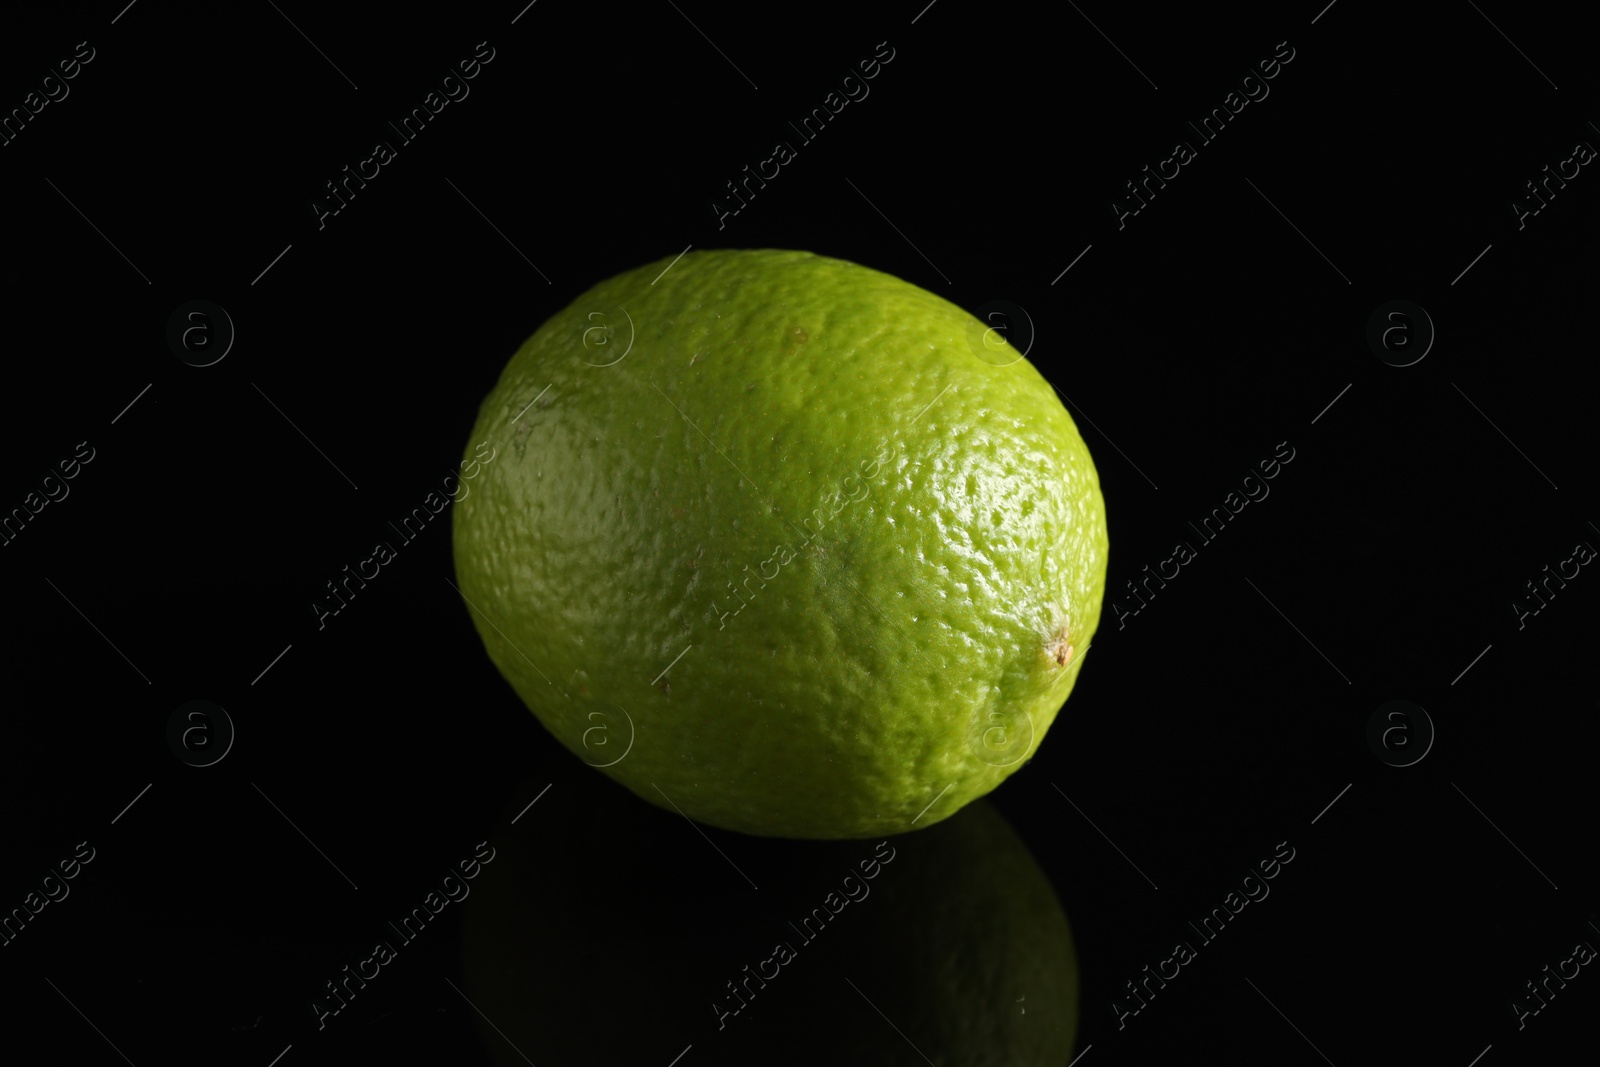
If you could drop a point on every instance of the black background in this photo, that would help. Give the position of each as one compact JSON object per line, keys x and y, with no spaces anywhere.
{"x":1222,"y":319}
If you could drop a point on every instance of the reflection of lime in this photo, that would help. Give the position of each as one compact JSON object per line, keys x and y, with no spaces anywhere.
{"x":984,"y":969}
{"x":600,"y":939}
{"x":840,"y":567}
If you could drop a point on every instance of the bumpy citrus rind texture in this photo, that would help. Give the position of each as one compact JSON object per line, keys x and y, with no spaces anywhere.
{"x":782,"y":542}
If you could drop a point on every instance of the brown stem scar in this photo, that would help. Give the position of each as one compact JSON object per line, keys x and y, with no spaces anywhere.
{"x":1061,"y":648}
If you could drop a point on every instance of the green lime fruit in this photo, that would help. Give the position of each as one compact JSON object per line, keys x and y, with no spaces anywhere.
{"x":947,"y":945}
{"x":782,"y":543}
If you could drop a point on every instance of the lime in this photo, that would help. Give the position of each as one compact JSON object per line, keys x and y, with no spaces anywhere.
{"x":782,"y":543}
